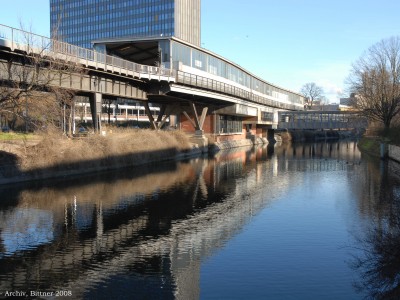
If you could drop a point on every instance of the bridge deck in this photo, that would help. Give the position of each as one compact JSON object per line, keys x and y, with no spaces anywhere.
{"x":321,"y":120}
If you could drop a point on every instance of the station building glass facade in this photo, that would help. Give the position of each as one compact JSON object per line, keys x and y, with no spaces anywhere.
{"x":80,"y":22}
{"x":205,"y":63}
{"x":171,"y":30}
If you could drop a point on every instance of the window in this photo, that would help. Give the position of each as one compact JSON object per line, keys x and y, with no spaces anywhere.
{"x":229,"y":124}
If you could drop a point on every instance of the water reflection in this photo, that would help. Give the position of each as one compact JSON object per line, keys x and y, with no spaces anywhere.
{"x":146,"y":232}
{"x":379,"y":262}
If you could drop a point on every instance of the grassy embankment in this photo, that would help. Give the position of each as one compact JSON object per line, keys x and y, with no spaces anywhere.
{"x":119,"y":147}
{"x":371,"y":143}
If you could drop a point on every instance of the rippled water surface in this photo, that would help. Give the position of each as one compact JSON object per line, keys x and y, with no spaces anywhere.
{"x":307,"y":221}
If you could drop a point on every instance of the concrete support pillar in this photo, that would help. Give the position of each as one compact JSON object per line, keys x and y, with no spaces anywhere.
{"x":198,"y":122}
{"x":161,"y":118}
{"x":150,"y":116}
{"x":95,"y":101}
{"x":163,"y":115}
{"x":200,"y":139}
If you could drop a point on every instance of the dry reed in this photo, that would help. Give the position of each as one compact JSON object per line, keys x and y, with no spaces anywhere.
{"x":119,"y":146}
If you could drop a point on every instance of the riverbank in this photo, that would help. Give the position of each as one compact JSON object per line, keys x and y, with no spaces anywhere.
{"x":379,"y":147}
{"x":370,"y":145}
{"x":380,"y":142}
{"x":53,"y":155}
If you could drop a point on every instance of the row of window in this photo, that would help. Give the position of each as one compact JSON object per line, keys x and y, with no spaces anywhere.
{"x":200,"y":60}
{"x":84,"y":17}
{"x":57,"y":5}
{"x":267,"y":116}
{"x":115,"y":26}
{"x":229,"y":124}
{"x":116,"y":31}
{"x":108,"y":11}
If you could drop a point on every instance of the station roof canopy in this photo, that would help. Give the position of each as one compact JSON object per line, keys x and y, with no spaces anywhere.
{"x":139,"y":50}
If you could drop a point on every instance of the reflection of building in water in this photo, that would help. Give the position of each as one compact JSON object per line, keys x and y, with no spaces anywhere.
{"x":169,"y":220}
{"x":343,"y":150}
{"x":378,"y":190}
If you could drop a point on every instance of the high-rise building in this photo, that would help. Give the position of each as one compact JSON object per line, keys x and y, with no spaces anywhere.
{"x":80,"y":22}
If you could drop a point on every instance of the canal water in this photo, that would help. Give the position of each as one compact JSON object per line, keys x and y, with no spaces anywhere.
{"x":301,"y":221}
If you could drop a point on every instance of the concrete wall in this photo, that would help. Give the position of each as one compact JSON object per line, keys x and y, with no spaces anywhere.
{"x":187,"y":126}
{"x":230,"y":137}
{"x":394,"y":152}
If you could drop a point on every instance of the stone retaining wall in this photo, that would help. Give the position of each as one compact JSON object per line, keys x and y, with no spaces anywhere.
{"x":230,"y":144}
{"x":394,"y":152}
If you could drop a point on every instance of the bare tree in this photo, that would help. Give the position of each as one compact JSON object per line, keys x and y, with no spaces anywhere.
{"x":375,"y":79}
{"x":312,"y":92}
{"x":30,"y":80}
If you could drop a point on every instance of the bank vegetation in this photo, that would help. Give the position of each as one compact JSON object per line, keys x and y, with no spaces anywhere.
{"x":31,"y":96}
{"x":370,"y":143}
{"x":50,"y":154}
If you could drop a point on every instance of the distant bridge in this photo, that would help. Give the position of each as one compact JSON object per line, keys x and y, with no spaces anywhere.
{"x":320,"y":120}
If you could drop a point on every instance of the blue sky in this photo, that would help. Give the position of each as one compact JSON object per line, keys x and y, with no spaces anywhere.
{"x":285,"y":42}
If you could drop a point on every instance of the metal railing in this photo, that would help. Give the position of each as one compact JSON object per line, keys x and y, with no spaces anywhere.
{"x":37,"y":44}
{"x":33,"y":43}
{"x":228,"y":89}
{"x":322,"y":120}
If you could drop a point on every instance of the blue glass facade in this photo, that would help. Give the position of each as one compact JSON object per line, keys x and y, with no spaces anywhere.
{"x":80,"y":22}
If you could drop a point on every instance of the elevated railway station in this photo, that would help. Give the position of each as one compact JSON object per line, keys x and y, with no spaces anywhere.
{"x":206,"y":93}
{"x":188,"y":87}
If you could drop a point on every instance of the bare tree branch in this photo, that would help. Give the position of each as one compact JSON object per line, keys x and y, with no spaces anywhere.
{"x":31,"y":80}
{"x":374,"y":78}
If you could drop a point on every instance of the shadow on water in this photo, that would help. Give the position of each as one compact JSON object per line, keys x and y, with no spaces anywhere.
{"x":60,"y":230}
{"x":91,"y":184}
{"x":81,"y":223}
{"x":10,"y":170}
{"x":378,"y":264}
{"x":145,"y":230}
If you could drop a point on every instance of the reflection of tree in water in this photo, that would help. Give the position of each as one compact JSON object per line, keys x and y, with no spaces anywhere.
{"x":379,"y":265}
